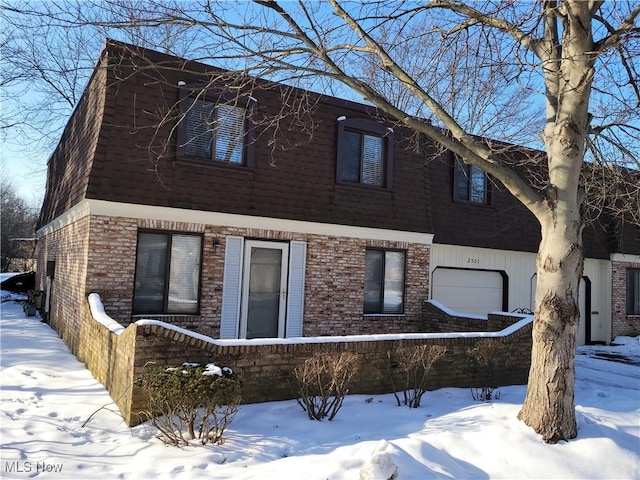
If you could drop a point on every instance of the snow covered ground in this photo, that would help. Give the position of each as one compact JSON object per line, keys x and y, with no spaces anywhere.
{"x":47,"y":396}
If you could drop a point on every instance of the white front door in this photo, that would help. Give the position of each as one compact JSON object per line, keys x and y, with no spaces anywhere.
{"x":264,"y":289}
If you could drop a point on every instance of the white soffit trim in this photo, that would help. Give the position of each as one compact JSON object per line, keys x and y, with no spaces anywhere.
{"x":75,"y":213}
{"x":625,"y":257}
{"x":130,"y":210}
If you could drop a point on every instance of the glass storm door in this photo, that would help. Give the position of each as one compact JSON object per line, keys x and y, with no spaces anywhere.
{"x":264,"y":290}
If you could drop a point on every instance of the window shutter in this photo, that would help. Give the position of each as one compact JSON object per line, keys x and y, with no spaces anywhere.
{"x":229,"y":134}
{"x":295,"y":297}
{"x":231,"y":287}
{"x":198,"y":128}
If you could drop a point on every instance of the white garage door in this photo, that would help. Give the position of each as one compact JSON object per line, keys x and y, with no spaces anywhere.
{"x":468,"y":291}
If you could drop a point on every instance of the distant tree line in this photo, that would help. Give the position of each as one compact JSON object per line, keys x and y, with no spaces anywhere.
{"x":18,"y":221}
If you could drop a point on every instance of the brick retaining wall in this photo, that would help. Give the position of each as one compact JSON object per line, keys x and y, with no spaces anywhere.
{"x":438,"y":320}
{"x":265,"y":370}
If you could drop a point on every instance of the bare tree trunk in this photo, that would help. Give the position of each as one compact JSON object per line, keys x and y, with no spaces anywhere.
{"x":549,"y":404}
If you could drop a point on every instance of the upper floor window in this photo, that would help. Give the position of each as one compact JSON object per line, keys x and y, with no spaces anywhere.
{"x":167,"y":273}
{"x":384,"y":281}
{"x":365,"y":153}
{"x":470,"y":184}
{"x":633,"y":291}
{"x":216,"y":127}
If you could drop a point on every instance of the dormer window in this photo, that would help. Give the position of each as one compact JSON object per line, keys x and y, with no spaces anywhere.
{"x":365,"y":153}
{"x":470,"y":184}
{"x":216,"y":128}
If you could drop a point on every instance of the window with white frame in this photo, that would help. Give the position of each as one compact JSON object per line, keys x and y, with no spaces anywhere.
{"x":167,"y":277}
{"x":384,"y":281}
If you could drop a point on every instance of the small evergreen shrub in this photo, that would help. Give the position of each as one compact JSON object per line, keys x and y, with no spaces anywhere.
{"x":486,"y":357}
{"x":323,"y":381}
{"x":413,"y":364}
{"x":190,"y":402}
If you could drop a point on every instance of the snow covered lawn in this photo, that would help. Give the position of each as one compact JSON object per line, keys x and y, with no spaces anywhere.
{"x":47,"y":396}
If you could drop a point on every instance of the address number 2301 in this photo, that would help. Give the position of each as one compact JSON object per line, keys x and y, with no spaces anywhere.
{"x":473,"y":261}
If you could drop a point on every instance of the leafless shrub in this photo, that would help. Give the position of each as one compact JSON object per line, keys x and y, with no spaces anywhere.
{"x":413,"y":365}
{"x":487,"y":356}
{"x":190,"y":402}
{"x":323,"y":383}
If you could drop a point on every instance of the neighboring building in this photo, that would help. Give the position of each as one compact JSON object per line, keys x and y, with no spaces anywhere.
{"x":220,"y":230}
{"x":23,"y":255}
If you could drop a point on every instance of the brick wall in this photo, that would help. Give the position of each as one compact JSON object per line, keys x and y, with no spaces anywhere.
{"x":435,"y":320}
{"x":74,"y":249}
{"x":110,"y":359}
{"x":97,"y":253}
{"x":111,"y":266}
{"x":68,"y":247}
{"x":334,"y":277}
{"x":266,"y":371}
{"x":621,"y":323}
{"x":335,"y":288}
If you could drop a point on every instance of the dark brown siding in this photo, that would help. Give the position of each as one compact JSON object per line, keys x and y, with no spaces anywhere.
{"x":69,"y":166}
{"x":629,"y":238}
{"x":138,"y":164}
{"x":135,"y":162}
{"x":504,"y":224}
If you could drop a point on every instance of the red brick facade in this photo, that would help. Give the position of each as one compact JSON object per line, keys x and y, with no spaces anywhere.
{"x":334,"y":287}
{"x":621,"y":323}
{"x":68,"y":247}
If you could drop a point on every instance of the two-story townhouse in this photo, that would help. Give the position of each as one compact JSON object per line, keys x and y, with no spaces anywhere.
{"x":248,"y":209}
{"x":201,"y":223}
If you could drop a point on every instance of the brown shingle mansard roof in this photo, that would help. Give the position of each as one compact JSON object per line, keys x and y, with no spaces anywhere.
{"x":115,"y":149}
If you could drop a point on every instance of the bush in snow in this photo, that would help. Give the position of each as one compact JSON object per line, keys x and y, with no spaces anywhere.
{"x":323,"y":383}
{"x":190,"y":402}
{"x":412,"y":364}
{"x":486,"y":357}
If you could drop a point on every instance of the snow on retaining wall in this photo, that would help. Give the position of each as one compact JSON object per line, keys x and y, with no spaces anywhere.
{"x":266,"y":365}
